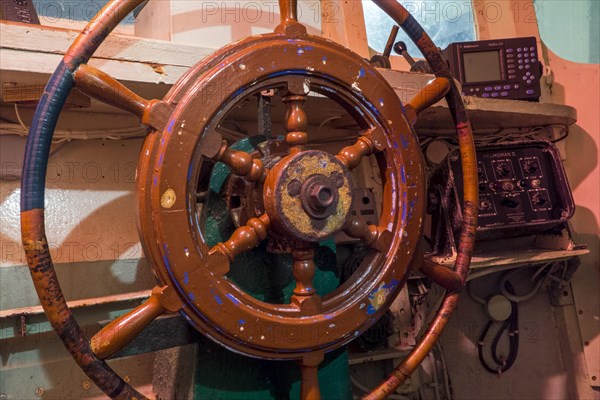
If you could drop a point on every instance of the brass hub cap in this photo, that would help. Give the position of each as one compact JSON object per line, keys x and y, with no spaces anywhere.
{"x":307,"y":204}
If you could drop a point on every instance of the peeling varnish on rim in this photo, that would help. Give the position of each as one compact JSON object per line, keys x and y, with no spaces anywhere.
{"x":37,"y":245}
{"x":180,"y":131}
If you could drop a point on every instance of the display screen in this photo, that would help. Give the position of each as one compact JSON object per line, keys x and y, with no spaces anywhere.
{"x":482,"y":66}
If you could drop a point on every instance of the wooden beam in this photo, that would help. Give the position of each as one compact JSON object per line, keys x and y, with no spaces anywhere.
{"x":344,"y":23}
{"x":162,"y":333}
{"x":78,"y":304}
{"x":154,"y":22}
{"x":51,"y":40}
{"x":29,"y":94}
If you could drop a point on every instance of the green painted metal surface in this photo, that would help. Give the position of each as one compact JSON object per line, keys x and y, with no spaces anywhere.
{"x":568,"y":28}
{"x":222,"y":374}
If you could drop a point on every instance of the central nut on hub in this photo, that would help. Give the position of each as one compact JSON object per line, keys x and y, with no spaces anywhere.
{"x":308,"y":195}
{"x":319,"y":196}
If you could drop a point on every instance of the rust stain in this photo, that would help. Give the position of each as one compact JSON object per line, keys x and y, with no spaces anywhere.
{"x":158,"y":68}
{"x":34,"y":245}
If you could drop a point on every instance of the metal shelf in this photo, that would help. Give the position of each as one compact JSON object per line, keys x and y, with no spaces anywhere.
{"x":483,"y":113}
{"x":499,"y":255}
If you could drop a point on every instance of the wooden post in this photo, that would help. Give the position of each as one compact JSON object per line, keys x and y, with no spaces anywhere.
{"x":344,"y":22}
{"x":154,"y":22}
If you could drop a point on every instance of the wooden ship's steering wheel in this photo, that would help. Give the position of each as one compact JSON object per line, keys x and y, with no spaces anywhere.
{"x":305,"y":196}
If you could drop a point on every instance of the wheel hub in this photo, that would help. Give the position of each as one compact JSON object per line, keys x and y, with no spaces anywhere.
{"x":307,"y":205}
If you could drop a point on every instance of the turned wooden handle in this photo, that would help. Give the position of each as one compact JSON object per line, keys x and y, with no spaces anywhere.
{"x":242,"y":163}
{"x":102,"y":86}
{"x":114,"y":336}
{"x":434,"y":91}
{"x":309,"y":384}
{"x":443,"y":276}
{"x":244,"y":238}
{"x":288,"y":10}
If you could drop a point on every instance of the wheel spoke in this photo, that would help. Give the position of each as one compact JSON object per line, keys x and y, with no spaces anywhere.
{"x":434,"y":91}
{"x":244,"y":238}
{"x":369,"y":142}
{"x":304,"y":268}
{"x":105,"y":88}
{"x":309,"y":368}
{"x":114,"y":336}
{"x":443,"y":276}
{"x":374,"y":237}
{"x":288,"y":10}
{"x":296,"y":121}
{"x":242,"y":163}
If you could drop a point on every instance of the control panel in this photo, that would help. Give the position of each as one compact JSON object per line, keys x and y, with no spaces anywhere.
{"x":504,"y":68}
{"x":522,"y":188}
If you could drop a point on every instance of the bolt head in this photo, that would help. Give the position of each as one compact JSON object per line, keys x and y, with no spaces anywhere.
{"x":338,"y":179}
{"x":321,"y":196}
{"x":294,"y":188}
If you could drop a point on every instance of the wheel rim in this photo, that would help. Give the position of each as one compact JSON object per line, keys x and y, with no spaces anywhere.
{"x":344,"y":309}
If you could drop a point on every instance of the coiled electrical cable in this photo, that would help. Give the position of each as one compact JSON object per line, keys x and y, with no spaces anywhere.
{"x":511,"y":326}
